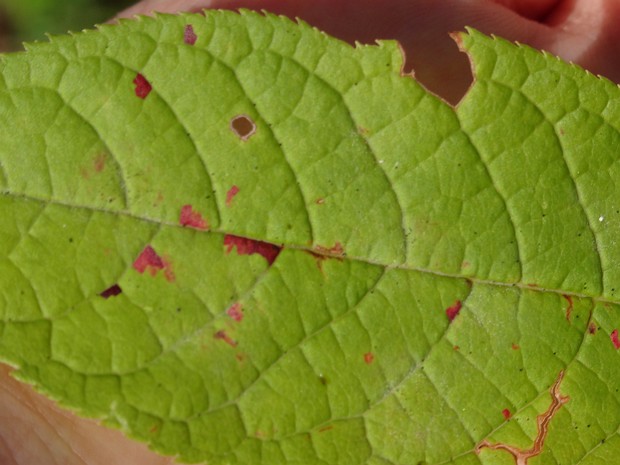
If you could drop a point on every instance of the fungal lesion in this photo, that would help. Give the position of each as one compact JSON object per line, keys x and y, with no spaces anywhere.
{"x":521,"y":456}
{"x":243,"y":126}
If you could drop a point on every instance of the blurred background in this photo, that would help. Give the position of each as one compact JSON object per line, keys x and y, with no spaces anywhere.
{"x":29,"y":20}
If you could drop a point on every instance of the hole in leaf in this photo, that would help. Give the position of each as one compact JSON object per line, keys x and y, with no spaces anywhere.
{"x":243,"y":127}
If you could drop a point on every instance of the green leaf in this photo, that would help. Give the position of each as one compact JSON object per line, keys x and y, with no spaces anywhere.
{"x":245,"y":242}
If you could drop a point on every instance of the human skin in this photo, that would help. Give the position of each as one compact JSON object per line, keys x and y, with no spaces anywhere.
{"x":35,"y":431}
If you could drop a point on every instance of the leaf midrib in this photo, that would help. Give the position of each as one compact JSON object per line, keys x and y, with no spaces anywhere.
{"x":317,"y":252}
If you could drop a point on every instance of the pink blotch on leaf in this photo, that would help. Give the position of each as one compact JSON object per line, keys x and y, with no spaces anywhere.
{"x":192,"y":218}
{"x":230,"y":195}
{"x":143,"y":87}
{"x":614,"y":339}
{"x":235,"y":311}
{"x":111,"y":291}
{"x":189,"y":36}
{"x":369,"y":357}
{"x":506,"y":413}
{"x":223,"y":336}
{"x":247,"y":246}
{"x":453,"y":310}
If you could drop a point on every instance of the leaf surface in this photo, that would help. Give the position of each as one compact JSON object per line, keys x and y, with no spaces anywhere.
{"x":245,"y":242}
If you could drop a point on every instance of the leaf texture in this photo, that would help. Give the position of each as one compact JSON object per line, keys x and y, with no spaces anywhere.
{"x":245,"y":242}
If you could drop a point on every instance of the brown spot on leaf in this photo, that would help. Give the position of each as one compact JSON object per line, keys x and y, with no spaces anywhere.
{"x":247,"y":246}
{"x":111,"y":291}
{"x":230,"y":195}
{"x":168,"y":273}
{"x":326,"y":428}
{"x":235,"y":311}
{"x":515,"y":346}
{"x":592,"y":328}
{"x":569,"y":308}
{"x":189,"y":36}
{"x":335,"y":251}
{"x":143,"y":87}
{"x":320,"y":201}
{"x":99,"y":163}
{"x":521,"y":456}
{"x":614,"y":339}
{"x":223,"y":336}
{"x":369,"y":357}
{"x":192,"y":218}
{"x":243,"y":127}
{"x":453,"y":310}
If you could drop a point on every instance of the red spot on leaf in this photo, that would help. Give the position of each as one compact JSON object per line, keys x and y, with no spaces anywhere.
{"x":111,"y":291}
{"x":506,"y":413}
{"x":614,"y":339}
{"x":453,"y":310}
{"x":189,"y":36}
{"x":247,"y":246}
{"x":151,"y":261}
{"x":148,"y":259}
{"x":143,"y":87}
{"x":235,"y":311}
{"x":192,"y":218}
{"x":569,"y":308}
{"x":369,"y":357}
{"x":230,"y":195}
{"x":223,"y":336}
{"x":592,"y":328}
